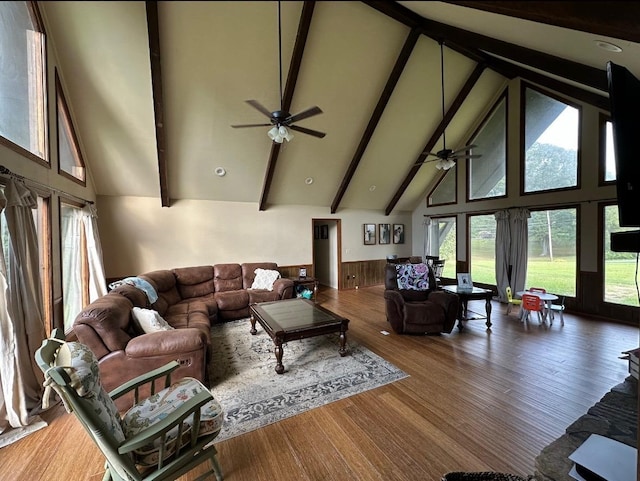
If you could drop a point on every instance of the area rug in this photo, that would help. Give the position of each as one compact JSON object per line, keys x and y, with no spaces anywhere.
{"x":244,"y":381}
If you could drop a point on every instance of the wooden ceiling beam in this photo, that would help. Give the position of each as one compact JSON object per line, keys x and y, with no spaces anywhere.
{"x":609,"y":18}
{"x":287,"y":96}
{"x":392,"y":81}
{"x":455,"y":106}
{"x":153,"y":31}
{"x":577,"y":72}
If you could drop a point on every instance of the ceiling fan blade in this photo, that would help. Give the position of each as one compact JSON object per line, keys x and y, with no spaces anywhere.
{"x":463,"y":149}
{"x":470,"y":156}
{"x":420,"y":162}
{"x":305,"y":114}
{"x":430,"y":153}
{"x":250,"y":125}
{"x":304,"y":130}
{"x":258,"y":106}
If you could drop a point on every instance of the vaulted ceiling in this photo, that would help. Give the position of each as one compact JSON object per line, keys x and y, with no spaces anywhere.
{"x":154,"y":88}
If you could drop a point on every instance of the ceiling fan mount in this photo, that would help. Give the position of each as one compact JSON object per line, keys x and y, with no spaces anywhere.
{"x":281,"y":119}
{"x":446,"y":158}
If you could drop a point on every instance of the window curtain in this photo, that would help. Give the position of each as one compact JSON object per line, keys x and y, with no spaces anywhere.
{"x":21,"y":316}
{"x":512,"y":242}
{"x":97,"y":280}
{"x":71,"y":234}
{"x":428,"y":237}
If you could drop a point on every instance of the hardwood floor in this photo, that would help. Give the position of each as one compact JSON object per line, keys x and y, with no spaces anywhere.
{"x":475,"y":401}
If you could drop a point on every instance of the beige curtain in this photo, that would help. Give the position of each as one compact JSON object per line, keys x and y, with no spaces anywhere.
{"x":97,"y":281}
{"x":21,"y":316}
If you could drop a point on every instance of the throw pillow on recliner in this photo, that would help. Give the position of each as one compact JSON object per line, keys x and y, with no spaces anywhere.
{"x":413,"y":276}
{"x":148,"y":320}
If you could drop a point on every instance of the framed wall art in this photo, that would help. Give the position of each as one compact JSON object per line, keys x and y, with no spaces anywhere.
{"x":384,"y":233}
{"x":398,"y":233}
{"x":369,"y":234}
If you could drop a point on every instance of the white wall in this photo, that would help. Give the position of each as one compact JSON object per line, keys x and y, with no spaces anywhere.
{"x":139,"y":235}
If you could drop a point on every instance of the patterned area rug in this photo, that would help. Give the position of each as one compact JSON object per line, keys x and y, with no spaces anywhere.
{"x":244,"y":381}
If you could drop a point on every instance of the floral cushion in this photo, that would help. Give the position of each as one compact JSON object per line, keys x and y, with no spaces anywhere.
{"x":412,"y":276}
{"x":81,"y":365}
{"x":156,"y":407}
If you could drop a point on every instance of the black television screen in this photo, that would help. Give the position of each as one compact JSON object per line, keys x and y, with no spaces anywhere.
{"x":624,"y":96}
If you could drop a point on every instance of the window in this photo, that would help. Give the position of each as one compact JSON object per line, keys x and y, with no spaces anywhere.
{"x":42,"y":221}
{"x":619,"y":267}
{"x":23,"y":121}
{"x":482,"y":250}
{"x":445,"y":190}
{"x":552,"y":251}
{"x":444,"y":231}
{"x":70,"y":162}
{"x":75,"y":268}
{"x":551,"y":139}
{"x":488,"y":174}
{"x":607,"y":153}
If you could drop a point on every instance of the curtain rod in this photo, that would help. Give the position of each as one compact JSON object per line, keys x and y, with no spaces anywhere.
{"x":7,"y":173}
{"x":534,"y":207}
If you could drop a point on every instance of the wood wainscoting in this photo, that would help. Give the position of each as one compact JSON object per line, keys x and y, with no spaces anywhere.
{"x":363,"y":273}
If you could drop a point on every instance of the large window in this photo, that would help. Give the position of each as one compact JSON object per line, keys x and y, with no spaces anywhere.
{"x":619,"y":267}
{"x":42,"y":221}
{"x":75,"y":268}
{"x":70,"y":162}
{"x":488,"y":174}
{"x":23,"y":124}
{"x":445,"y":190}
{"x":443,"y":235}
{"x":482,"y":249}
{"x":607,"y":152}
{"x":552,"y":251}
{"x":551,"y":139}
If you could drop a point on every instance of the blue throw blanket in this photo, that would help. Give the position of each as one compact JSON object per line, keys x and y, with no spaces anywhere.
{"x":141,"y":284}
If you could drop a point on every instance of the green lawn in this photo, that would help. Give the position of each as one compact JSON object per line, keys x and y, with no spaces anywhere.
{"x":558,"y":276}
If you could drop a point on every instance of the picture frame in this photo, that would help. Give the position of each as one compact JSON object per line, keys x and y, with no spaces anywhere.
{"x":398,"y":233}
{"x":464,"y":280}
{"x":302,"y":273}
{"x":324,"y":231}
{"x":369,"y":234}
{"x":384,"y":233}
{"x":316,"y":232}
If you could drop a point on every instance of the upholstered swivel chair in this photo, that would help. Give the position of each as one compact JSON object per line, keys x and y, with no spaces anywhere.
{"x":160,"y":438}
{"x":419,"y":308}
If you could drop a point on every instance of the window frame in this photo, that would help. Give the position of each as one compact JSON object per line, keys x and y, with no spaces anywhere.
{"x":503,"y":96}
{"x":64,"y":125}
{"x":523,"y":88}
{"x":441,"y":179}
{"x":602,"y":150}
{"x":42,"y":85}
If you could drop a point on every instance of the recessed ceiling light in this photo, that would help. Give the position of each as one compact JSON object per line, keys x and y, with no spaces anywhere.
{"x":372,"y":188}
{"x":220,"y":172}
{"x":308,"y":180}
{"x":608,"y":46}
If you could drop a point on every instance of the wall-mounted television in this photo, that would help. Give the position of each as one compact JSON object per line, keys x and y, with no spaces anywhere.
{"x":624,"y":96}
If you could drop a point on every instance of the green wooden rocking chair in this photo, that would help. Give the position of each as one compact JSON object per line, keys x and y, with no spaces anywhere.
{"x":160,"y":438}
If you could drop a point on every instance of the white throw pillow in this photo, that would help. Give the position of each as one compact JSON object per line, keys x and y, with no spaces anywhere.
{"x":264,"y":279}
{"x":149,"y":320}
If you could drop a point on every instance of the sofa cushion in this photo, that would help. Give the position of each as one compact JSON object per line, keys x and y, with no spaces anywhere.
{"x":190,"y":313}
{"x":136,"y":296}
{"x":227,"y":277}
{"x":232,"y":300}
{"x":249,"y":271}
{"x":264,"y":279}
{"x":148,"y":320}
{"x":194,"y":281}
{"x":262,"y":295}
{"x":165,"y":284}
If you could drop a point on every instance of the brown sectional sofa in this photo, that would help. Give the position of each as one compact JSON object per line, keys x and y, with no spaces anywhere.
{"x":190,"y":299}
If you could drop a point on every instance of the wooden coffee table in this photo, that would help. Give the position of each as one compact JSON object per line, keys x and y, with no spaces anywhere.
{"x":467,"y":295}
{"x":292,"y":319}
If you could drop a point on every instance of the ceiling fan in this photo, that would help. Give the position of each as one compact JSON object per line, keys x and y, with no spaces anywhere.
{"x":282,"y":120}
{"x":446,"y":158}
